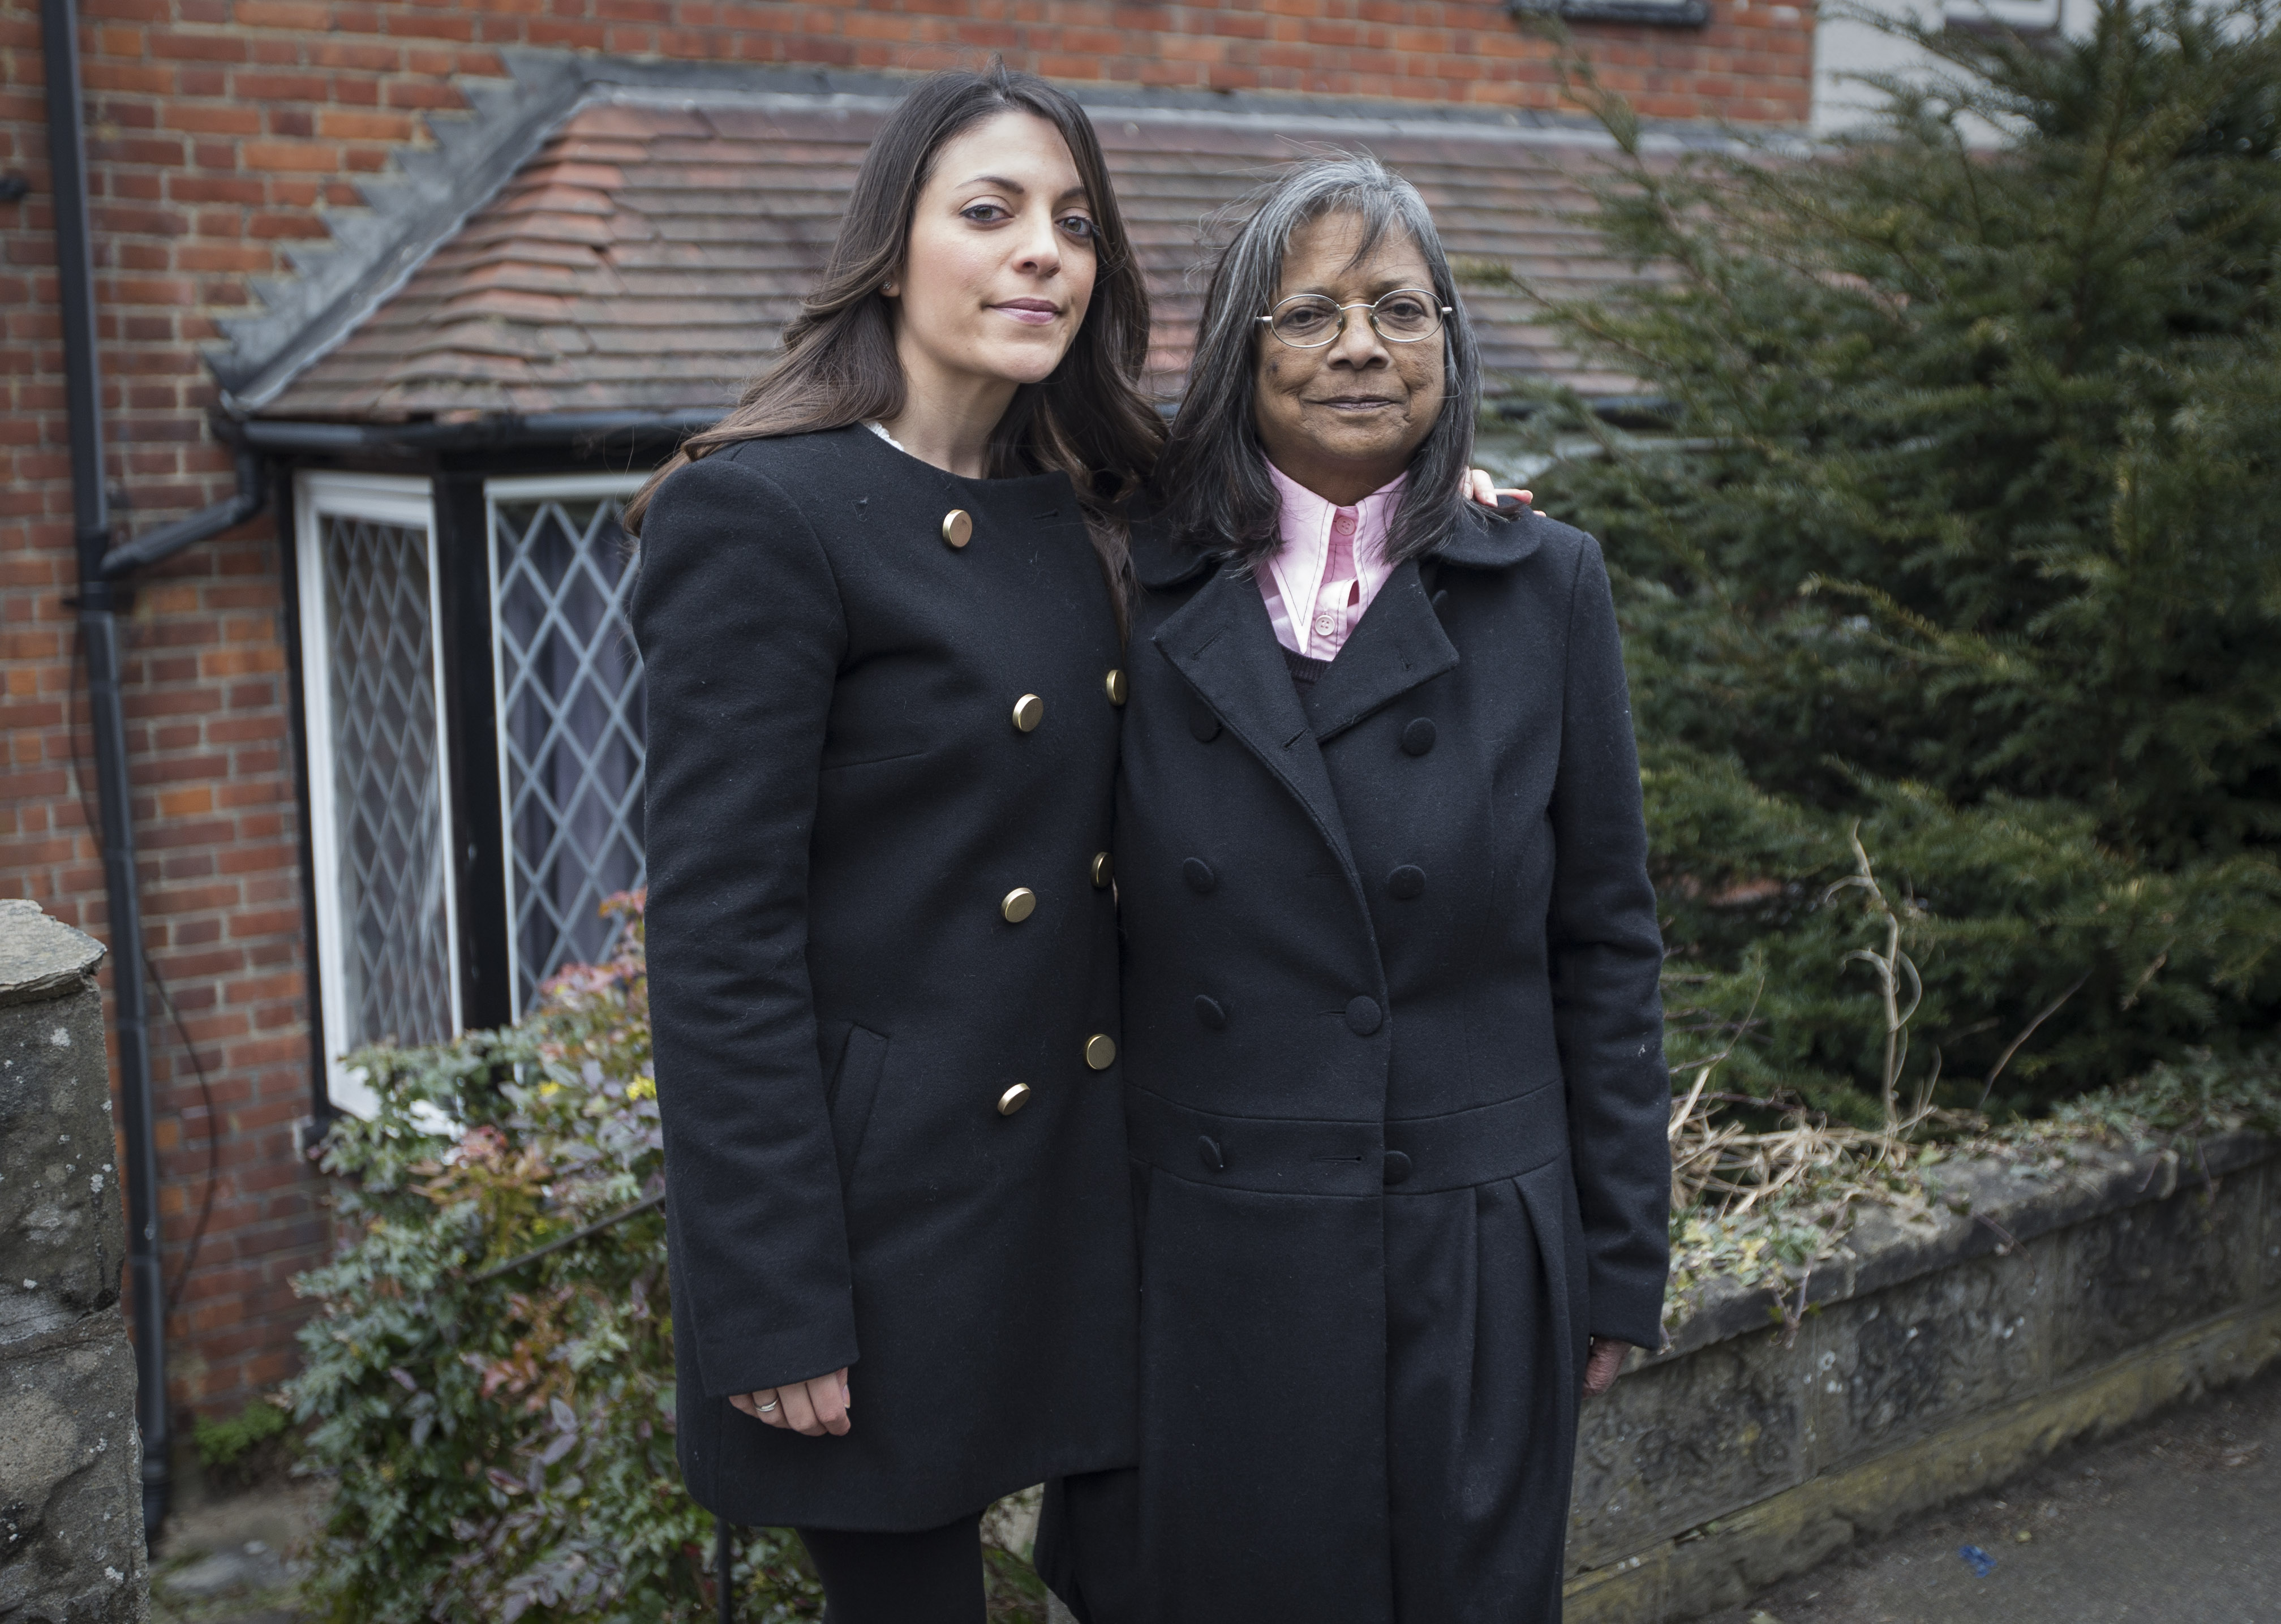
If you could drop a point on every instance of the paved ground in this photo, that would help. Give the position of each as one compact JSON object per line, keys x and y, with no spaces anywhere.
{"x":232,"y":1560}
{"x":2175,"y":1522}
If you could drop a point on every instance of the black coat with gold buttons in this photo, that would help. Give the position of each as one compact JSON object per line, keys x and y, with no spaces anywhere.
{"x":1395,"y":1085}
{"x":883,"y":977}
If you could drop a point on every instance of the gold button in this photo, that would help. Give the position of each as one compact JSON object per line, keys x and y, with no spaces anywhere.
{"x":958,"y":526}
{"x":1013,"y":1099}
{"x":1104,"y":870}
{"x":1029,"y":710}
{"x":1020,"y":903}
{"x":1115,"y":683}
{"x":1101,"y":1051}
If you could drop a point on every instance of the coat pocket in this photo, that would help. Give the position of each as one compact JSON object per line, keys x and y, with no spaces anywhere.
{"x":854,"y":1089}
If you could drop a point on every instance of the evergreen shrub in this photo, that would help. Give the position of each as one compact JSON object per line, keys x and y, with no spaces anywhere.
{"x":1951,"y":583}
{"x":503,"y":1446}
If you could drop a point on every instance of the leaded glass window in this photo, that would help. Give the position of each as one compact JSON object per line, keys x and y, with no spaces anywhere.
{"x":570,"y":718}
{"x":379,"y":782}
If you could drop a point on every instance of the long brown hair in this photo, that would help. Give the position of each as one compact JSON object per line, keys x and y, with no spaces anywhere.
{"x":1088,"y":420}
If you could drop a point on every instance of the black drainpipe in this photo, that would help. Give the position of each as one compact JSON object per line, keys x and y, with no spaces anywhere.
{"x":100,"y":564}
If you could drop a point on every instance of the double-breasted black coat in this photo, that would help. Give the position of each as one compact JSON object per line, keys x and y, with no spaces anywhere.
{"x":880,"y":778}
{"x":1395,"y":1084}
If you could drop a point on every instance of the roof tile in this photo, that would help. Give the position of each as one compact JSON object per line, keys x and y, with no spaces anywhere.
{"x":646,"y":257}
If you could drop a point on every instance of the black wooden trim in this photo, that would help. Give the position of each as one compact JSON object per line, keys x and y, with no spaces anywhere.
{"x":297,"y":701}
{"x":1662,"y":13}
{"x":471,"y":727}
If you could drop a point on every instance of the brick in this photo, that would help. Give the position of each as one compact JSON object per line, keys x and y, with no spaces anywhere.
{"x":169,"y":44}
{"x":313,"y":157}
{"x":306,"y":16}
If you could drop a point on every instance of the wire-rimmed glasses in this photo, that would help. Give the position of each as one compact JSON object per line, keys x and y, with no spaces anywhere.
{"x":1309,"y":321}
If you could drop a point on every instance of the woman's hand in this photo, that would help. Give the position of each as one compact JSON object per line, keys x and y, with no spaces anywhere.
{"x":1600,"y":1368}
{"x":815,"y":1407}
{"x":1484,"y":490}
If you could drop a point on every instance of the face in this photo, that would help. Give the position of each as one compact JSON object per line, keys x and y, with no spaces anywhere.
{"x":999,"y":266}
{"x":1343,"y":419}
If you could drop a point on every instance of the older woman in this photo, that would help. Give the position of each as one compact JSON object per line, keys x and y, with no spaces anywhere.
{"x":1394,"y":1071}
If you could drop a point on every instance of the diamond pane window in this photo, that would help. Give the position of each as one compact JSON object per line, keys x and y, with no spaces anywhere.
{"x":570,"y":718}
{"x":378,"y":780}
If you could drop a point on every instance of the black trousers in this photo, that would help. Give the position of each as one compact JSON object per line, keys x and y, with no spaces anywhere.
{"x":930,"y":1577}
{"x":1088,"y":1544}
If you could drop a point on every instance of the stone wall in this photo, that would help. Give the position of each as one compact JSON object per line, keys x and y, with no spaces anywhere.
{"x":71,"y":1513}
{"x":2039,"y":1304}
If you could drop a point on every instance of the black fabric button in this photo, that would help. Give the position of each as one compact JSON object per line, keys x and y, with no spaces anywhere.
{"x":1202,"y":723}
{"x":1208,"y":1149}
{"x":1200,"y":877}
{"x":1418,"y":738}
{"x":1406,"y":882}
{"x":1212,"y":1013}
{"x":1363,"y":1016}
{"x":1397,"y":1167}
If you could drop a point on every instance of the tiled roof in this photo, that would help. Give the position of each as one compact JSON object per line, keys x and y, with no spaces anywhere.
{"x":646,"y":256}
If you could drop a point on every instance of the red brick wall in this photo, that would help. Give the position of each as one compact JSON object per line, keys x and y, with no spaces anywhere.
{"x":216,"y":128}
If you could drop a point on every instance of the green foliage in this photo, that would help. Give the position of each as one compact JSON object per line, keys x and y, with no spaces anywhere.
{"x":224,"y":1443}
{"x":2172,"y":1106}
{"x":504,"y":1445}
{"x":245,"y":1446}
{"x":1965,"y":532}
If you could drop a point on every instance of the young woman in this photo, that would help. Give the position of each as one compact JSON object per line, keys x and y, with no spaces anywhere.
{"x":876,"y":608}
{"x":1394,"y":1064}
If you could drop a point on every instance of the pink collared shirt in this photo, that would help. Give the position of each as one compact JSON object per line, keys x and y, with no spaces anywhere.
{"x":1331,"y":564}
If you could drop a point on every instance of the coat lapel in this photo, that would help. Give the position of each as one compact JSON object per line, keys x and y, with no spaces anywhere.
{"x":1398,"y":644}
{"x":1221,"y":641}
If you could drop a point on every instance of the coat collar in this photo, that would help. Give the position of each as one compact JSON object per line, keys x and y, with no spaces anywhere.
{"x":1484,"y":543}
{"x":1480,"y":542}
{"x":1221,"y":641}
{"x":1398,"y":644}
{"x":1159,"y":562}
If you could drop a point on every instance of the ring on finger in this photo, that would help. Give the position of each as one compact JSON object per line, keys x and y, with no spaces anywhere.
{"x":768,"y":1406}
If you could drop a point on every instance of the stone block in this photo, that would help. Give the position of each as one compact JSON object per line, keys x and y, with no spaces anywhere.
{"x":71,"y":1509}
{"x":2141,"y":1273}
{"x":1906,"y":1361}
{"x":63,"y":1230}
{"x":1680,"y":1441}
{"x":72,"y":1547}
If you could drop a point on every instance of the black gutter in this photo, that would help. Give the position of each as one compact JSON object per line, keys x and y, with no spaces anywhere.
{"x":277,"y":438}
{"x":99,"y":565}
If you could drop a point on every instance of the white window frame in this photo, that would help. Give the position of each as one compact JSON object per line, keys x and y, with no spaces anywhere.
{"x":531,"y":488}
{"x":385,"y":498}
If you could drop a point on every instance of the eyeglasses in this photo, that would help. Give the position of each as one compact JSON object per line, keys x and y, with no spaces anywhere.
{"x":1309,"y":321}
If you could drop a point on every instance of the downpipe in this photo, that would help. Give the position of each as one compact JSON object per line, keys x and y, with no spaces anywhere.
{"x":100,"y":564}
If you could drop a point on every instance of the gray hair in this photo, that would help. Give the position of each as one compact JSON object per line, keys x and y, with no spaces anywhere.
{"x":1212,"y":479}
